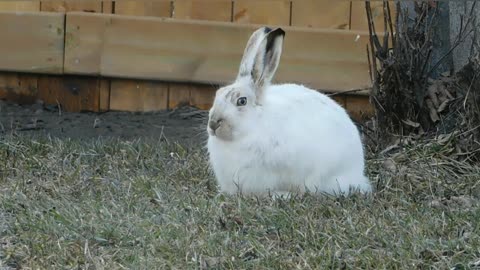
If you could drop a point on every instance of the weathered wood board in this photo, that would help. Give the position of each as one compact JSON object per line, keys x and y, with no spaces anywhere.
{"x":211,"y":10}
{"x":82,"y":93}
{"x":19,"y":6}
{"x":138,"y":96}
{"x":72,"y":93}
{"x":359,"y":15}
{"x":198,"y":95}
{"x":359,"y":107}
{"x":32,"y":42}
{"x":104,"y":102}
{"x":158,"y":8}
{"x":202,"y":96}
{"x":208,"y":52}
{"x":20,"y":88}
{"x":179,"y":94}
{"x":66,"y":6}
{"x":326,"y":14}
{"x":84,"y":43}
{"x":268,"y":12}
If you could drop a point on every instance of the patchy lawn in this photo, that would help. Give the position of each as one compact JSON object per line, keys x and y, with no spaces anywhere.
{"x":118,"y":204}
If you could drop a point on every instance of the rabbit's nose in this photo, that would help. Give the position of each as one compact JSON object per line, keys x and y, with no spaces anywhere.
{"x":214,"y":124}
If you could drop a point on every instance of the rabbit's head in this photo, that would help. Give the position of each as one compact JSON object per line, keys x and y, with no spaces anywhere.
{"x":236,"y":105}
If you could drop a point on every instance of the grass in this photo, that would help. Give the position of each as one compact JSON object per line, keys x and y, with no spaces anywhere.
{"x":115,"y":204}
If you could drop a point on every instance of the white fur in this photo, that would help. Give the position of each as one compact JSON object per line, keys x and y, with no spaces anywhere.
{"x":291,"y":138}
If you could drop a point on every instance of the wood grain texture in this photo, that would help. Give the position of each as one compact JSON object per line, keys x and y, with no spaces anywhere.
{"x":208,"y":52}
{"x":84,"y":39}
{"x":31,"y":42}
{"x":359,"y":15}
{"x":359,"y":107}
{"x":202,"y":96}
{"x":198,"y":95}
{"x":19,"y":88}
{"x":321,"y":14}
{"x":269,"y":12}
{"x":340,"y":99}
{"x":212,"y":10}
{"x":328,"y":60}
{"x":107,"y":7}
{"x":66,"y":6}
{"x":74,"y":94}
{"x":138,"y":96}
{"x":104,"y":95}
{"x":19,"y":6}
{"x":179,"y":94}
{"x":158,"y":8}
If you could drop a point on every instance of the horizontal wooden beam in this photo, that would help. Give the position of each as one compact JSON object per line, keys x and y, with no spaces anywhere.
{"x":207,"y":52}
{"x":87,"y":93}
{"x":32,"y":42}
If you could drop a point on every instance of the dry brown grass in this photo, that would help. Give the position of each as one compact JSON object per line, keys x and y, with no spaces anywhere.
{"x":68,"y":204}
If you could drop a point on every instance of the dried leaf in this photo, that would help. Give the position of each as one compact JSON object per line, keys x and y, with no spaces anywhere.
{"x":390,"y":165}
{"x":389,"y":148}
{"x":433,"y":112}
{"x":464,"y":201}
{"x":432,"y":94}
{"x":442,"y":106}
{"x":409,"y":122}
{"x":443,"y":93}
{"x":475,"y":264}
{"x":444,"y":138}
{"x":436,"y":204}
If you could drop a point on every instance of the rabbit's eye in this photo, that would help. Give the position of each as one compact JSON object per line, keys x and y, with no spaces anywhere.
{"x":242,"y":101}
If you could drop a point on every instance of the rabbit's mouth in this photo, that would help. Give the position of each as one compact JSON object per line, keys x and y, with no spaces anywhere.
{"x":211,"y":132}
{"x":220,"y":129}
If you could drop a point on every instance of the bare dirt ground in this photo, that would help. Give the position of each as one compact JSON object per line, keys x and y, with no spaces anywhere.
{"x":185,"y":125}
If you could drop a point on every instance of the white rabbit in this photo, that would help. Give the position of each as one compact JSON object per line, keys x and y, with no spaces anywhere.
{"x":280,"y":138}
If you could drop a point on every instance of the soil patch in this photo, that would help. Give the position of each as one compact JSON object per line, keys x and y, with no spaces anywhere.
{"x":185,"y":125}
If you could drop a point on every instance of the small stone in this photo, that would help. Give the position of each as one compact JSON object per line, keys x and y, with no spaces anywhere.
{"x":436,"y":204}
{"x":96,"y":122}
{"x":390,"y":165}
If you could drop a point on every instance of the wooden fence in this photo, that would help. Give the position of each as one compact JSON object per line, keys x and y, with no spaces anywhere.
{"x":158,"y":54}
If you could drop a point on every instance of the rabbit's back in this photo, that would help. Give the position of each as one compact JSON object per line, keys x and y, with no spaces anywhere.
{"x":308,"y":113}
{"x":314,"y":136}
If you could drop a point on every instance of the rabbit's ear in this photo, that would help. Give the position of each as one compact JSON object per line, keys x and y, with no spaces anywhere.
{"x":246,"y":65}
{"x":267,"y":59}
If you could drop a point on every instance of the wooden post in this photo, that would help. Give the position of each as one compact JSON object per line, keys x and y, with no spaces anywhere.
{"x":461,"y":19}
{"x":454,"y":33}
{"x":442,"y":60}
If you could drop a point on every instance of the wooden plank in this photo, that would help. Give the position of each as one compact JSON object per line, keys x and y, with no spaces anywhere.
{"x":359,"y":15}
{"x":19,"y":6}
{"x":359,"y":107}
{"x":158,"y":8}
{"x":31,"y":42}
{"x":65,"y":6}
{"x":84,"y":43}
{"x":269,"y":12}
{"x":321,"y":14}
{"x":208,"y":52}
{"x":19,"y":88}
{"x":138,"y":96}
{"x":202,"y":96}
{"x":212,"y":10}
{"x":74,"y":94}
{"x":328,"y":60}
{"x":104,"y":102}
{"x":340,"y":99}
{"x":179,"y":94}
{"x":198,"y":95}
{"x":107,"y":7}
